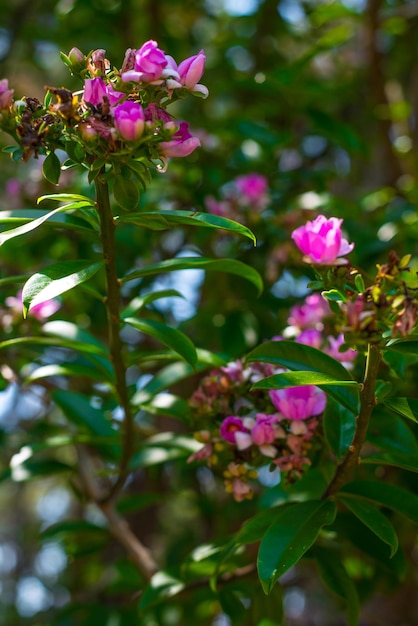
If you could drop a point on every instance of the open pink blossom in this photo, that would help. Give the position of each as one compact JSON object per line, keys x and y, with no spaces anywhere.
{"x":129,"y":120}
{"x":263,"y":431}
{"x":181,"y":144}
{"x":299,"y":403}
{"x":230,"y":427}
{"x":321,"y":241}
{"x":346,"y":357}
{"x":149,"y":64}
{"x":95,"y":90}
{"x":253,"y":189}
{"x":310,"y":337}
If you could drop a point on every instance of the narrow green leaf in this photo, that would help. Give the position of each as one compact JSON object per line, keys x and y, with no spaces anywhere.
{"x":126,"y":193}
{"x":47,"y":341}
{"x":169,"y":405}
{"x":294,"y":531}
{"x":51,"y":168}
{"x":339,"y":427}
{"x":254,"y":528}
{"x":389,"y":432}
{"x":296,"y":356}
{"x":230,"y":266}
{"x":404,"y":346}
{"x":138,"y":303}
{"x":191,"y":218}
{"x":334,"y":575}
{"x":72,"y":527}
{"x":56,"y":279}
{"x":407,"y":407}
{"x":29,"y":226}
{"x":68,"y":197}
{"x":374,"y":519}
{"x":72,"y":332}
{"x":295,"y":379}
{"x":170,"y":337}
{"x":67,"y":369}
{"x":386,"y":494}
{"x":397,"y":459}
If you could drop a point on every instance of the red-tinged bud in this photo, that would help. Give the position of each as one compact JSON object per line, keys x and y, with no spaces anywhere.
{"x":77,"y":59}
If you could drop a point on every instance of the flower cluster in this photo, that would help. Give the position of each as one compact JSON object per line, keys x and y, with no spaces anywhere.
{"x":117,"y":113}
{"x":247,"y":193}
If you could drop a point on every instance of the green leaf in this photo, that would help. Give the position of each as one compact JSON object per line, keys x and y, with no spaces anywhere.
{"x":253,"y":529}
{"x":335,"y":576}
{"x":294,"y":531}
{"x":230,"y":266}
{"x":68,"y":197}
{"x":339,"y":427}
{"x":191,"y":218}
{"x":30,"y":469}
{"x":404,"y":346}
{"x":138,"y":303}
{"x":386,"y":494}
{"x":67,"y":369}
{"x":29,"y":226}
{"x":125,"y":192}
{"x":55,"y":280}
{"x":164,"y":447}
{"x":397,"y":459}
{"x":388,"y":431}
{"x":295,"y":379}
{"x":161,"y":587}
{"x":170,"y":337}
{"x":407,"y":407}
{"x":77,"y":409}
{"x":51,"y":168}
{"x":169,"y":405}
{"x":47,"y":341}
{"x":374,"y":519}
{"x":296,"y":356}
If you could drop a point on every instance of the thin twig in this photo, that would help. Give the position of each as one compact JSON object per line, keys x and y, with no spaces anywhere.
{"x":367,"y":403}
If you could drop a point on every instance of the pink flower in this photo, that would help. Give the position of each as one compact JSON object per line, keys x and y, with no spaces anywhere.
{"x":263,"y":432}
{"x":299,"y":403}
{"x":310,"y":337}
{"x":182,"y":143}
{"x":346,"y":357}
{"x":129,"y":120}
{"x":40,"y":311}
{"x":321,"y":241}
{"x":6,"y":95}
{"x":95,"y":89}
{"x":149,"y":64}
{"x":310,"y":313}
{"x":253,"y":188}
{"x":229,"y":427}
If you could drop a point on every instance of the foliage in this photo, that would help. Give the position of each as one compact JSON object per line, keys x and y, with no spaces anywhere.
{"x":198,"y":425}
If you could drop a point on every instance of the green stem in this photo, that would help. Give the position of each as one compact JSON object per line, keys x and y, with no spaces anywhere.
{"x":367,"y":403}
{"x":107,"y":226}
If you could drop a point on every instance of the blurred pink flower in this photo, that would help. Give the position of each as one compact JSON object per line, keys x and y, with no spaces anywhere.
{"x":40,"y":311}
{"x":299,"y":403}
{"x":253,"y":189}
{"x":310,"y":337}
{"x":310,"y":313}
{"x":321,"y":241}
{"x":346,"y":357}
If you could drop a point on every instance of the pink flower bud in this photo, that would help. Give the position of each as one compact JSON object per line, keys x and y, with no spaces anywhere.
{"x":182,"y":143}
{"x":149,"y":64}
{"x":321,"y":241}
{"x":77,"y":58}
{"x":129,"y":120}
{"x":263,"y":432}
{"x":299,"y":403}
{"x":190,"y":71}
{"x":6,"y":95}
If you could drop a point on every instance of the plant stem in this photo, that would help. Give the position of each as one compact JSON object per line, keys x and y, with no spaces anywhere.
{"x":107,"y":226}
{"x":367,"y":403}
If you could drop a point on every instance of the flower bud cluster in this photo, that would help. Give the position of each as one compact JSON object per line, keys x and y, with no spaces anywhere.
{"x":118,"y":114}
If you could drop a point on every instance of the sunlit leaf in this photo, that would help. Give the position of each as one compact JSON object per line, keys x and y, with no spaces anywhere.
{"x":230,"y":266}
{"x":171,"y":337}
{"x":56,"y":279}
{"x":407,"y":407}
{"x":191,"y":218}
